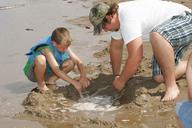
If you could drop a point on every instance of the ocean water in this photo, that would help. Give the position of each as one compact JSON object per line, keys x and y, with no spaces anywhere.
{"x":96,"y":103}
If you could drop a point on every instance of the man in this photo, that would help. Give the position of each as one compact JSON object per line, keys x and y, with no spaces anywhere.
{"x":169,"y":27}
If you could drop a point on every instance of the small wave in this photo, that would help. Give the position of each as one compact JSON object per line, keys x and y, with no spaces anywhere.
{"x":11,"y":7}
{"x":96,"y":103}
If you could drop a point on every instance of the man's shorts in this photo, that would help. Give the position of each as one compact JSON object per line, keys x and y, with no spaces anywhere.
{"x":29,"y":67}
{"x":184,"y":112}
{"x":178,"y":32}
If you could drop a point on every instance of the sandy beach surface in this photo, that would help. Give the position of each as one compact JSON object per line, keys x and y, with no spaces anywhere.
{"x":24,"y":22}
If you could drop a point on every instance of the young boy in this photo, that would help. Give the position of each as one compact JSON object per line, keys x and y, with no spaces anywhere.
{"x":184,"y":108}
{"x":51,"y":59}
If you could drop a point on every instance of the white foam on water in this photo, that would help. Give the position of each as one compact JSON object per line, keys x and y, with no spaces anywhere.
{"x":96,"y":103}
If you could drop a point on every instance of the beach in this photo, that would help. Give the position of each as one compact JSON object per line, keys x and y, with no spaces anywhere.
{"x":24,"y":22}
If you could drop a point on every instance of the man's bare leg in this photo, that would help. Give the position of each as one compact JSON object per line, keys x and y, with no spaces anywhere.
{"x":179,"y":72}
{"x":39,"y":70}
{"x":164,"y":54}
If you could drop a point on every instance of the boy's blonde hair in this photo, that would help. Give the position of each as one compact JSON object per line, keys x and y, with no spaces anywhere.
{"x":60,"y":35}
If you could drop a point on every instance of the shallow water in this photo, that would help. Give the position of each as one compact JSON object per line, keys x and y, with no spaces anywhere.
{"x":97,"y":104}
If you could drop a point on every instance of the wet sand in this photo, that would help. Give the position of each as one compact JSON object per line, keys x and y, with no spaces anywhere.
{"x":25,"y":22}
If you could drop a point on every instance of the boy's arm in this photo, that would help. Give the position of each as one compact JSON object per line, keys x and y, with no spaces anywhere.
{"x":80,"y":66}
{"x":55,"y":68}
{"x":77,"y":61}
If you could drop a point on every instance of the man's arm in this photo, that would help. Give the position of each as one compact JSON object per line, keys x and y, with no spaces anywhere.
{"x":116,"y":48}
{"x":135,"y":54}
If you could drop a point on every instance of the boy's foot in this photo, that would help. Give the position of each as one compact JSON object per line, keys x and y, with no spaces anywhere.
{"x":43,"y":89}
{"x":52,"y":86}
{"x":171,"y":94}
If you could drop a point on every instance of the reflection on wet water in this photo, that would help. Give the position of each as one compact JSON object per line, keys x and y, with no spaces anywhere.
{"x":7,"y":7}
{"x":98,"y":103}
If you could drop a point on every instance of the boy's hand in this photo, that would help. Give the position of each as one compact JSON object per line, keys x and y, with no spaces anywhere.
{"x":78,"y":86}
{"x":84,"y":81}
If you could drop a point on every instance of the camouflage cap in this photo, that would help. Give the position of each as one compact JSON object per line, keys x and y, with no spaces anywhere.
{"x":96,"y":16}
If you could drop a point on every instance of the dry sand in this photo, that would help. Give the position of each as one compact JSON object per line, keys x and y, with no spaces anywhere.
{"x":23,"y":23}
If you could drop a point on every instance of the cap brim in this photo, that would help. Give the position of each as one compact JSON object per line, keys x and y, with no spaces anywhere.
{"x":97,"y":29}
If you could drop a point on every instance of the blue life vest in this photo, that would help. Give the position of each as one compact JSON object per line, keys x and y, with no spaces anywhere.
{"x":59,"y":56}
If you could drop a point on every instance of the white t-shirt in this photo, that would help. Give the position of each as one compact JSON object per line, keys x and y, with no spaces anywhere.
{"x":138,"y":18}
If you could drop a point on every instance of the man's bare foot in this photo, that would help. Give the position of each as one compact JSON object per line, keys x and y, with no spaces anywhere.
{"x":171,"y":94}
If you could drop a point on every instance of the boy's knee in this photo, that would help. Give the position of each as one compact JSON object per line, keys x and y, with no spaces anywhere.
{"x":40,"y":60}
{"x":68,"y":64}
{"x":158,"y":79}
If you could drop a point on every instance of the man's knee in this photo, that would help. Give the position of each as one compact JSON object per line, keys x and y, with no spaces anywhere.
{"x":154,"y":36}
{"x":158,"y":79}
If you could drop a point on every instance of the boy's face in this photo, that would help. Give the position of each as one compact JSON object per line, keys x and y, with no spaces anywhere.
{"x":61,"y":47}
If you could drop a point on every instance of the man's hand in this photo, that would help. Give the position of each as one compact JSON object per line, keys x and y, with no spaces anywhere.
{"x":84,"y":81}
{"x":118,"y":83}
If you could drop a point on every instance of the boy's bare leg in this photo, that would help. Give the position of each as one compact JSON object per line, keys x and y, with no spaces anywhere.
{"x":164,"y":54}
{"x":39,"y":70}
{"x":67,"y":66}
{"x":189,"y":77}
